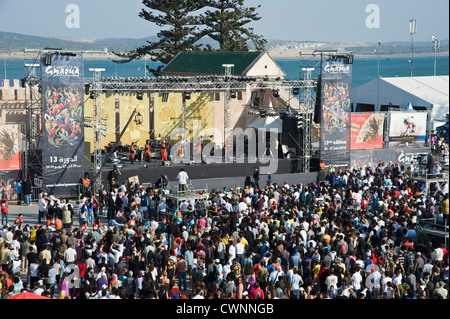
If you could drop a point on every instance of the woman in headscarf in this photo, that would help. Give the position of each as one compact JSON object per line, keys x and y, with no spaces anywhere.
{"x":102,"y":281}
{"x":64,"y":284}
{"x":115,"y":282}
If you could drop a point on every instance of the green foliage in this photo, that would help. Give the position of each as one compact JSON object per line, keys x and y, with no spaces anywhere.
{"x":178,"y":31}
{"x":226,"y":22}
{"x":182,"y":28}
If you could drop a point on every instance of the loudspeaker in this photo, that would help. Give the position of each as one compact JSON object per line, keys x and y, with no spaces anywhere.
{"x":291,"y":135}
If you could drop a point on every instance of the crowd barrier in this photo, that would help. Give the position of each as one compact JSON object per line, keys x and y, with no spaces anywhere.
{"x":12,"y":197}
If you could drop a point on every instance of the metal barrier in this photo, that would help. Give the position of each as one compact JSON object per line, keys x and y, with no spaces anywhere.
{"x":11,"y":195}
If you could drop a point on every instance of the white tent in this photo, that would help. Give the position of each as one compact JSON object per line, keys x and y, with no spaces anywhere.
{"x":430,"y":92}
{"x":267,"y":123}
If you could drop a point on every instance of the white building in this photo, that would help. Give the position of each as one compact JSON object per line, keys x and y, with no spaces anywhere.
{"x":423,"y":92}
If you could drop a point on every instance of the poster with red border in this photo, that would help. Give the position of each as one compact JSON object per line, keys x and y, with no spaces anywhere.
{"x":366,"y":131}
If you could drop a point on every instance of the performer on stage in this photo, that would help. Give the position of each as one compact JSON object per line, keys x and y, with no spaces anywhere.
{"x":163,"y":151}
{"x":132,"y":153}
{"x":147,"y":153}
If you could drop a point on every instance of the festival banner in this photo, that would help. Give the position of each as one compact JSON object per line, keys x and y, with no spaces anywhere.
{"x":366,"y":131}
{"x":402,"y":157}
{"x":63,"y":122}
{"x":407,"y":129}
{"x":336,"y":79}
{"x":11,"y":147}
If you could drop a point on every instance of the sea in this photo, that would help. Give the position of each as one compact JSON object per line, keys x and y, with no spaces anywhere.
{"x":365,"y":69}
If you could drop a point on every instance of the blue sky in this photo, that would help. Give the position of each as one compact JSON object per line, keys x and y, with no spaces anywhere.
{"x":301,"y":20}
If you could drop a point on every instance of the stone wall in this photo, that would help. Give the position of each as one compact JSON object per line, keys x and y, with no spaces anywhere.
{"x":12,"y":101}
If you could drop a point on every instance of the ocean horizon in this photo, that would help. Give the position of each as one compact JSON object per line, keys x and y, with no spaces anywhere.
{"x":365,"y":68}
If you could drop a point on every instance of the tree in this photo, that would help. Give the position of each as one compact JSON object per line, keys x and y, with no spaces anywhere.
{"x":181,"y":34}
{"x":226,"y":24}
{"x":181,"y":29}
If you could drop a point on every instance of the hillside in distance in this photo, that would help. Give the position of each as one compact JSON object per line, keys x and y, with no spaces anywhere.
{"x":17,"y":42}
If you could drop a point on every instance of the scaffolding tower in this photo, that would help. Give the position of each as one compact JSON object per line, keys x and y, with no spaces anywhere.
{"x":32,"y":161}
{"x":97,"y":126}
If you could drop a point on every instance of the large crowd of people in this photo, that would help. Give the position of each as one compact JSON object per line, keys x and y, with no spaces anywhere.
{"x":351,"y":235}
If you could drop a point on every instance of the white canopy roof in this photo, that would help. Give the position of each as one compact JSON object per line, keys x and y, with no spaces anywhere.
{"x":425,"y":91}
{"x":433,"y":89}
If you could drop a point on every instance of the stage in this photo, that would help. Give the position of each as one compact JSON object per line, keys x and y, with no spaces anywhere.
{"x":209,"y":176}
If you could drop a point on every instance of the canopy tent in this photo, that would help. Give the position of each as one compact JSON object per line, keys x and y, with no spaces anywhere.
{"x":268,"y":123}
{"x":419,"y":92}
{"x":444,"y":128}
{"x":27,"y":295}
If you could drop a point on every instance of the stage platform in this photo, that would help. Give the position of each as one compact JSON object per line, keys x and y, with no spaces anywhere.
{"x":210,"y":176}
{"x":433,"y":230}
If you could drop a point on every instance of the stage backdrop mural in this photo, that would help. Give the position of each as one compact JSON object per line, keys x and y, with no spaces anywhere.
{"x":63,"y":121}
{"x":407,"y":129}
{"x":366,"y":131}
{"x":336,"y":79}
{"x":108,"y":111}
{"x":136,"y":132}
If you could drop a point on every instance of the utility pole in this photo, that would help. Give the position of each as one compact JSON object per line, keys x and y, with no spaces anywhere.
{"x":412,"y":32}
{"x":436,"y":46}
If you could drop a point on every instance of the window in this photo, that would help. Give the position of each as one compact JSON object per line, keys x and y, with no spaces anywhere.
{"x":165,"y":97}
{"x":239,"y":96}
{"x":217,"y":97}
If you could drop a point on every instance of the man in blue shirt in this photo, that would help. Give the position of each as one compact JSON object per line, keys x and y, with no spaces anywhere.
{"x":19,"y":192}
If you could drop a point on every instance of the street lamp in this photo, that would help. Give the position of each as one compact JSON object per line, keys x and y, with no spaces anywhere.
{"x":378,"y":55}
{"x":412,"y":32}
{"x":378,"y":74}
{"x":436,"y":44}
